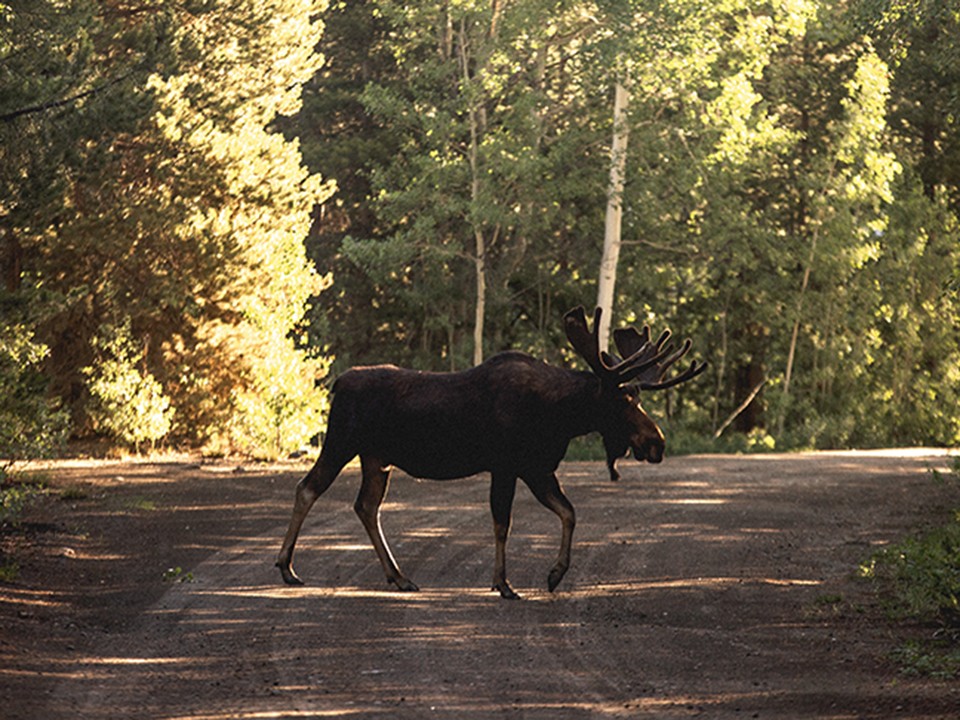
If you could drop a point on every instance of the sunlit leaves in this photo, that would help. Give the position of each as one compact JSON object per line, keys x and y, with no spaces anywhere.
{"x":128,"y":402}
{"x":178,"y":212}
{"x":247,"y":63}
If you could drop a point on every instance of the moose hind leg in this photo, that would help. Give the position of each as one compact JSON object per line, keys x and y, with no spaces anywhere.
{"x":373,"y":489}
{"x":312,"y":486}
{"x":547,"y":490}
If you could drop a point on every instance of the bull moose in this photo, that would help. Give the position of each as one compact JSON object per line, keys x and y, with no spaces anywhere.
{"x":512,"y":416}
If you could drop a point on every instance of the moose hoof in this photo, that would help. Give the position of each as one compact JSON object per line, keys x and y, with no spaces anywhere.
{"x":554,"y":578}
{"x":403,"y":584}
{"x":506,"y":592}
{"x":288,"y":575}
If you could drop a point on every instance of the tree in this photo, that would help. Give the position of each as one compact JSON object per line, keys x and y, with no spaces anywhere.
{"x":473,"y":107}
{"x":919,"y":40}
{"x":31,"y":424}
{"x":763,"y":210}
{"x":180,"y":211}
{"x":54,"y":89}
{"x":854,"y":183}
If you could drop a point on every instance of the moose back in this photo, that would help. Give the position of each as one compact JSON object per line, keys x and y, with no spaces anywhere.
{"x":512,"y":416}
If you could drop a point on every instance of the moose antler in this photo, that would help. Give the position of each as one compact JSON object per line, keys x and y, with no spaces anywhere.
{"x":631,"y":343}
{"x":644,"y":361}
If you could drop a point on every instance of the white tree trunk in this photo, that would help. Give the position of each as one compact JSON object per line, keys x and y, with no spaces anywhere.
{"x":611,"y":236}
{"x":481,"y":297}
{"x":480,"y":244}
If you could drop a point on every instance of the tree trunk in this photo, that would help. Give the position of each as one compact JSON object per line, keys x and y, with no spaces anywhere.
{"x":481,"y":298}
{"x":611,"y":234}
{"x":11,"y":260}
{"x":795,"y":334}
{"x":480,"y":249}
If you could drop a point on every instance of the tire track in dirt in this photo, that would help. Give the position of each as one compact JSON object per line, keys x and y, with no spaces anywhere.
{"x":692,"y":594}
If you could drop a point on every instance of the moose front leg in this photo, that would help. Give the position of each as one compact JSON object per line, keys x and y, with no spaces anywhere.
{"x":547,"y":490}
{"x":373,"y":489}
{"x":502,"y":489}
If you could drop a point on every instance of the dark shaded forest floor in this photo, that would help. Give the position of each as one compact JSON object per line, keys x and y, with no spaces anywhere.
{"x":702,"y":587}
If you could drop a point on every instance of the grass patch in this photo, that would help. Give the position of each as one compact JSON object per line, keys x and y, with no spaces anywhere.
{"x":141,"y":503}
{"x":937,"y":658}
{"x":586,"y":448}
{"x":9,"y":571}
{"x":951,"y":476}
{"x":69,"y":494}
{"x":132,"y":503}
{"x":918,"y":581}
{"x":682,"y":440}
{"x":176,"y":574}
{"x":920,"y":577}
{"x":828,"y":600}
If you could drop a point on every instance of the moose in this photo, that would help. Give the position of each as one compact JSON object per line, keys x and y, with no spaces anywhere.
{"x":512,"y":416}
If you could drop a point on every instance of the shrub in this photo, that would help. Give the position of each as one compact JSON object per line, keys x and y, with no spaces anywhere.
{"x":920,"y":577}
{"x":31,"y":425}
{"x":918,"y":580}
{"x":282,"y":407}
{"x":128,"y":403}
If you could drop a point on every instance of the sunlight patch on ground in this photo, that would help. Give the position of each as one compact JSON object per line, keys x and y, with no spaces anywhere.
{"x":699,"y":484}
{"x":692,"y":501}
{"x":345,"y":547}
{"x":619,"y":588}
{"x":693,"y":701}
{"x":39,"y":598}
{"x":438,"y":532}
{"x":906,"y":453}
{"x":133,"y":661}
{"x":306,"y":592}
{"x":258,"y":714}
{"x":97,"y":668}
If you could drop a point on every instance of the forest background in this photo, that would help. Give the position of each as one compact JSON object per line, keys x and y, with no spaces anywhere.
{"x":208,"y":208}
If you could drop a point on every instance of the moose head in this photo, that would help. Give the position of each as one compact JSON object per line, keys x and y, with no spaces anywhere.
{"x":642,"y":365}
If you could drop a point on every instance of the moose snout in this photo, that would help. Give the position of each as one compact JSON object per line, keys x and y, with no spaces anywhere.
{"x":651,"y":451}
{"x":649,"y":444}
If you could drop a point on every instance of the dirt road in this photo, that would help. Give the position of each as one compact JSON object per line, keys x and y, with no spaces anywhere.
{"x":703,"y":587}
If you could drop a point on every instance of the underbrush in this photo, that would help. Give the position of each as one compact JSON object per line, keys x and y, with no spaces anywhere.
{"x":15,"y":496}
{"x":918,"y":582}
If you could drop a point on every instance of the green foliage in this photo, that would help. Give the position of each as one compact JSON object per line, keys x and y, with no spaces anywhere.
{"x":14,"y":498}
{"x":177,"y":575}
{"x":142,"y":180}
{"x":938,"y":659}
{"x":128,"y":403}
{"x":918,"y":580}
{"x":31,"y":425}
{"x":9,"y":571}
{"x":282,"y":409}
{"x":952,"y":475}
{"x":782,"y":205}
{"x":791,"y":203}
{"x":921,"y":576}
